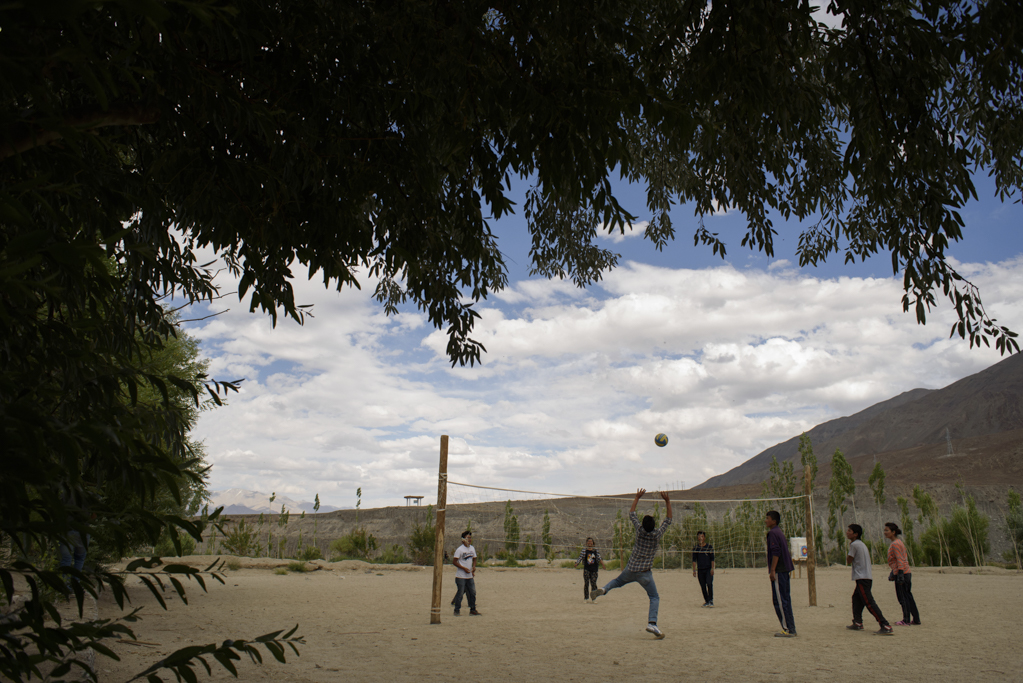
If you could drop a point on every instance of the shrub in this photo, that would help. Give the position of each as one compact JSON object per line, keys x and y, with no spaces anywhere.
{"x":393,"y":555}
{"x":1014,"y":528}
{"x":241,"y":540}
{"x":165,"y":546}
{"x":484,"y":554}
{"x":355,"y":545}
{"x":422,"y":539}
{"x":960,"y":539}
{"x":310,"y":552}
{"x":567,"y":564}
{"x":511,"y":562}
{"x":234,"y":565}
{"x":298,"y":566}
{"x":281,"y":571}
{"x":528,"y":549}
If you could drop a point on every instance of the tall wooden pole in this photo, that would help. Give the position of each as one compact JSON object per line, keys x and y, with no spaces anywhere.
{"x":438,"y":550}
{"x":811,"y":546}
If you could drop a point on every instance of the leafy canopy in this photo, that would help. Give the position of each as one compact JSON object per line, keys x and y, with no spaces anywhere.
{"x":345,"y":139}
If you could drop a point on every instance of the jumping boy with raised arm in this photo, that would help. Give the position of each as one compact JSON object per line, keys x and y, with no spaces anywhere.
{"x":641,"y":561}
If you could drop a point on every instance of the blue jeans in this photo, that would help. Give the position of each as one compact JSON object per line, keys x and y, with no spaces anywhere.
{"x":72,"y":551}
{"x":468,"y":588}
{"x":645,"y":579}
{"x":780,"y":590}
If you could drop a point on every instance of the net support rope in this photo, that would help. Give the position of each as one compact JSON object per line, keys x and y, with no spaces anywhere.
{"x":620,"y":498}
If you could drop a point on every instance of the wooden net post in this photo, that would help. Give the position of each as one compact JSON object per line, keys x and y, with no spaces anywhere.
{"x":438,"y":550}
{"x":811,"y":546}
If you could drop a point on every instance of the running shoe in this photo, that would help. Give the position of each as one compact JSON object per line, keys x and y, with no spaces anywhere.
{"x":596,"y":593}
{"x":855,"y":626}
{"x":885,"y":630}
{"x":652,"y":628}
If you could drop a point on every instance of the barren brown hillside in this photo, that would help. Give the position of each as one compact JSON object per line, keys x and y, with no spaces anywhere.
{"x":988,"y":403}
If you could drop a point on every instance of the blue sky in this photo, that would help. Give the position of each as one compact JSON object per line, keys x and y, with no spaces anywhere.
{"x":725,"y":357}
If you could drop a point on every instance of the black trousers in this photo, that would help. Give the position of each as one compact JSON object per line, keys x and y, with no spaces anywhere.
{"x":589,"y":580}
{"x":706,"y":580}
{"x":861,"y":598}
{"x":904,"y":592}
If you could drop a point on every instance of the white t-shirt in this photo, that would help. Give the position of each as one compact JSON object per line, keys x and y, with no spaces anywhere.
{"x":861,"y":560}
{"x":465,"y":555}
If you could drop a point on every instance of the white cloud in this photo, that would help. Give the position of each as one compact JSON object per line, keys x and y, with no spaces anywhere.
{"x":617,"y":236}
{"x":575,"y":383}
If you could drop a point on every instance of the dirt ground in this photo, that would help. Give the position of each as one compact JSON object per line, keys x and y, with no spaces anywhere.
{"x":372,"y":623}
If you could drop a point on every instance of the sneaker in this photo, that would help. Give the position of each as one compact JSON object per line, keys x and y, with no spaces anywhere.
{"x":785,"y":634}
{"x":885,"y":630}
{"x":457,"y":613}
{"x":596,"y":593}
{"x":474,"y":613}
{"x":902,"y":623}
{"x":706,"y":604}
{"x":710,"y":604}
{"x":586,"y":599}
{"x":915,"y":623}
{"x":652,"y":628}
{"x":855,"y":626}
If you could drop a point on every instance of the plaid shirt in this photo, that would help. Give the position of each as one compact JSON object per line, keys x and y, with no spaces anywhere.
{"x":642,"y":558}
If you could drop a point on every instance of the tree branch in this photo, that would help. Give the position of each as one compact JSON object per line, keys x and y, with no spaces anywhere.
{"x":127,"y":116}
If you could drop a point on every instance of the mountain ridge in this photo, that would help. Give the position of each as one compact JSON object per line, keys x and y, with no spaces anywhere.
{"x":244,"y":502}
{"x":983,"y":404}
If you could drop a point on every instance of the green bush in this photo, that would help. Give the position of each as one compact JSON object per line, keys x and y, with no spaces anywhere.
{"x":355,"y":545}
{"x":483,"y":554}
{"x":528,"y":549}
{"x":393,"y":555}
{"x":567,"y":564}
{"x":511,"y":562}
{"x":234,"y":565}
{"x":165,"y":546}
{"x":310,"y":552}
{"x":241,"y":540}
{"x":281,"y":571}
{"x":1014,"y":528}
{"x":298,"y":566}
{"x":959,"y":539}
{"x":423,"y":539}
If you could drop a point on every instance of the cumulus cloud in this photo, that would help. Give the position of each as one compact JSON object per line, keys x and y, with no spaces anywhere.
{"x":575,"y":383}
{"x":617,"y":236}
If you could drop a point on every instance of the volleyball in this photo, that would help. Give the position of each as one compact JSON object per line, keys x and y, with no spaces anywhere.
{"x":661,"y":440}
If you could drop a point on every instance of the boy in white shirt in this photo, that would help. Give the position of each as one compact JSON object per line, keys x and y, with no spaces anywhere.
{"x":465,"y":572}
{"x":859,"y":558}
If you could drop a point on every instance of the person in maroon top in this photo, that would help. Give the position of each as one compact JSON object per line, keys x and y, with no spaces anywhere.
{"x":779,"y":566}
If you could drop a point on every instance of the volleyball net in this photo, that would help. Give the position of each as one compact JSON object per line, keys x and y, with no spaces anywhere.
{"x":514,"y":524}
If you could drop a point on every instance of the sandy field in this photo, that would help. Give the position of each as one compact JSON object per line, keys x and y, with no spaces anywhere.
{"x":372,"y":623}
